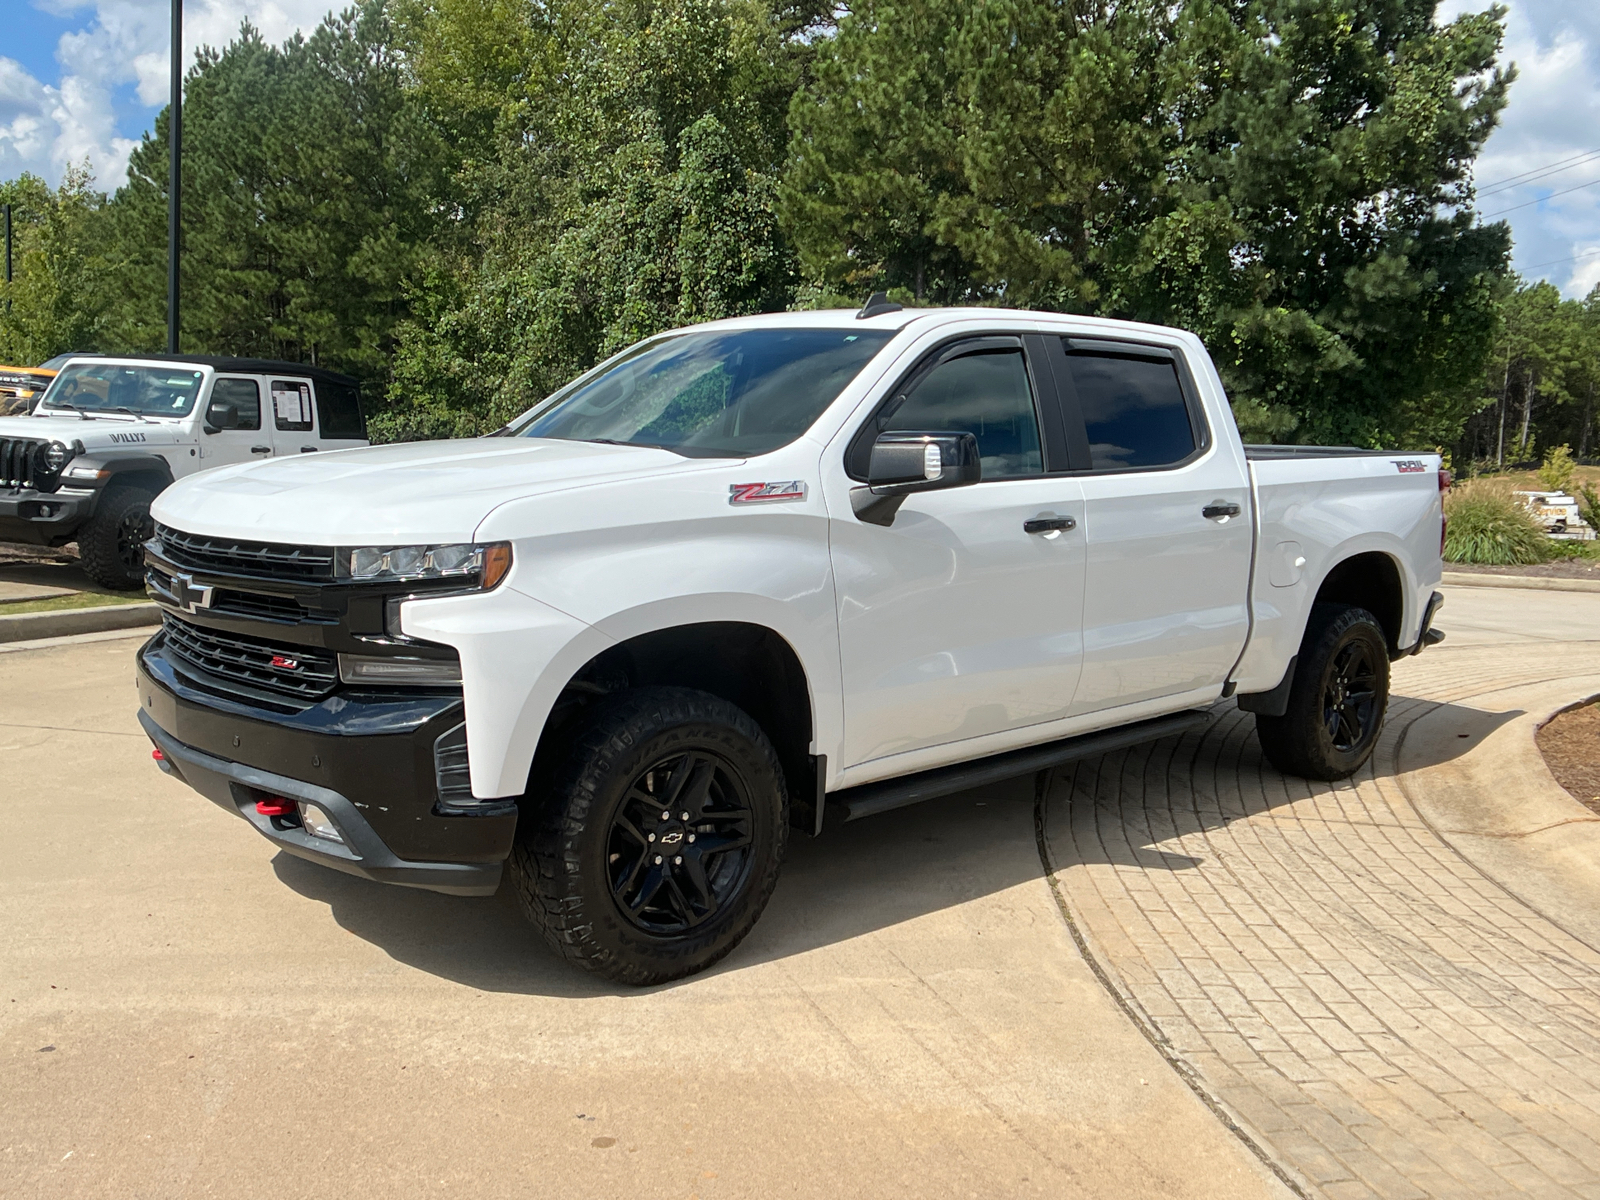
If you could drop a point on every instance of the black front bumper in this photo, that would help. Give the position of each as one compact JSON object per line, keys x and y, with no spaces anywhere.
{"x":364,"y":758}
{"x":44,"y":518}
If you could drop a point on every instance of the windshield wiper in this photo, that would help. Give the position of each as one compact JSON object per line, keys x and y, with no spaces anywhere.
{"x":82,"y":414}
{"x":131,"y":413}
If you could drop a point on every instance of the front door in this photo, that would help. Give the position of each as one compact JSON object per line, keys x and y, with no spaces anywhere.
{"x":1167,"y":528}
{"x":234,"y":410}
{"x":955,"y":622}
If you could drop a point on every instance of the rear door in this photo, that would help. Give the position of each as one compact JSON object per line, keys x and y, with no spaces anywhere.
{"x":294,"y":416}
{"x":1167,"y":526}
{"x":955,"y":622}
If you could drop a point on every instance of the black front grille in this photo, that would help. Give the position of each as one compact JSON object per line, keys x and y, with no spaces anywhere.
{"x":265,"y":560}
{"x":18,"y":460}
{"x":300,"y":672}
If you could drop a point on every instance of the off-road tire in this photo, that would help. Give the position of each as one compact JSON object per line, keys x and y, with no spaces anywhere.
{"x":1308,"y":739}
{"x":107,"y":543}
{"x":566,"y":845}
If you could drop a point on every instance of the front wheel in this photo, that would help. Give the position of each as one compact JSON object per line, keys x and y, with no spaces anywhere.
{"x":111,"y":544}
{"x":1337,"y":700}
{"x":660,"y":842}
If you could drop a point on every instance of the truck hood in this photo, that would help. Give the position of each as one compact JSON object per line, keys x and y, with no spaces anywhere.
{"x":410,"y":493}
{"x":95,"y":434}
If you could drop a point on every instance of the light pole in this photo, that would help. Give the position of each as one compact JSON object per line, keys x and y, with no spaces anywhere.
{"x":7,"y":209}
{"x":174,"y":174}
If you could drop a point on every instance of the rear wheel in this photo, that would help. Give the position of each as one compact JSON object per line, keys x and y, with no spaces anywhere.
{"x":660,"y":842}
{"x":1338,"y":698}
{"x":111,"y":543}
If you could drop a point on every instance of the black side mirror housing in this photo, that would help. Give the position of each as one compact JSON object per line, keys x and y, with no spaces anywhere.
{"x":904,"y":463}
{"x":220,"y":415}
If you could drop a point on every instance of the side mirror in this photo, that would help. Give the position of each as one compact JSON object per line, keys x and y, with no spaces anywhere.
{"x":220,"y":415}
{"x":905,"y":463}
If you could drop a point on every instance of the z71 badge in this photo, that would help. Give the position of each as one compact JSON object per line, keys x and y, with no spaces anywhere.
{"x":766,"y":493}
{"x":1408,"y":465}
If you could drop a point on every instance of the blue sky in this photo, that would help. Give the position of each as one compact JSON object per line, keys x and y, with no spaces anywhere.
{"x":84,"y":78}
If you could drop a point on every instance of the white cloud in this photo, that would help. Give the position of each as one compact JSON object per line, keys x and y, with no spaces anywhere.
{"x":1553,"y":115}
{"x":46,"y":128}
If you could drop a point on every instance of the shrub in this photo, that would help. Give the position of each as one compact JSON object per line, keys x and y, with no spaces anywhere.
{"x":1489,"y":525}
{"x":1556,"y":473}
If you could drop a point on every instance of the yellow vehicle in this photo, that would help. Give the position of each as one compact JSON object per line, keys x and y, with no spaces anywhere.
{"x":21,"y":387}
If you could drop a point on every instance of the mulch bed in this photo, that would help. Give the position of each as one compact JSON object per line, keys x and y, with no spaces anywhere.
{"x":1571,"y":748}
{"x":1561,"y":568}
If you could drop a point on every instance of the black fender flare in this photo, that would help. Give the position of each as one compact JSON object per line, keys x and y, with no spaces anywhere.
{"x":108,"y":468}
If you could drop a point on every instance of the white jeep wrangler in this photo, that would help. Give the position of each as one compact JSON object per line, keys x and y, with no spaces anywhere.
{"x":111,"y":433}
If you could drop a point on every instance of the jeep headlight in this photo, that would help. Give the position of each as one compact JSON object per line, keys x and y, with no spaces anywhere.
{"x":53,"y":456}
{"x":474,"y":564}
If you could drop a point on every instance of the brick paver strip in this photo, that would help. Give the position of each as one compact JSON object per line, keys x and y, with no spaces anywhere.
{"x":1370,"y":1011}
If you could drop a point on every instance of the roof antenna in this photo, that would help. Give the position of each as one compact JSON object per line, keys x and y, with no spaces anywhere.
{"x":877,"y":304}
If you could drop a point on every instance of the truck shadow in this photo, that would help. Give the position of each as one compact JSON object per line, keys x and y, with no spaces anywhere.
{"x":856,"y":880}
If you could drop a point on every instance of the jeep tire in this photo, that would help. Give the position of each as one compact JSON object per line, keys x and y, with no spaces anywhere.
{"x":1337,"y":700}
{"x":658,"y":842}
{"x":111,"y":543}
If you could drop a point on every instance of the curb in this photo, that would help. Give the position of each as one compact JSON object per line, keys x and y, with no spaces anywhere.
{"x":1541,"y":583}
{"x":27,"y":627}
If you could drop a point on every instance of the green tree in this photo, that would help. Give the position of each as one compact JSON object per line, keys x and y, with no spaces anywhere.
{"x":308,"y":176}
{"x":1269,"y":174}
{"x":632,"y":188}
{"x":56,"y":299}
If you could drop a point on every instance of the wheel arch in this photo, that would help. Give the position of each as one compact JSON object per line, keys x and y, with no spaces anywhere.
{"x":747,"y":663}
{"x":1373,"y":580}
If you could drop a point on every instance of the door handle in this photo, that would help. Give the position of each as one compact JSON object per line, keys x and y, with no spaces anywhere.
{"x":1048,"y":524}
{"x":1212,"y":512}
{"x":260,"y":449}
{"x":308,"y":449}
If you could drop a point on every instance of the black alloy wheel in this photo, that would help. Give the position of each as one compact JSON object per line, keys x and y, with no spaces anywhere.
{"x":680,"y":843}
{"x":1350,"y":697}
{"x":651,"y":836}
{"x":1337,"y":700}
{"x":111,"y":543}
{"x":134,"y":529}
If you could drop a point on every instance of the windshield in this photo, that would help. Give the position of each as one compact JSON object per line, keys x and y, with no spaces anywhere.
{"x":719,"y":395}
{"x":107,"y":387}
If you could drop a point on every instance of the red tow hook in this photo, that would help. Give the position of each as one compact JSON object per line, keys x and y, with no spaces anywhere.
{"x":157,"y":755}
{"x":277,"y":806}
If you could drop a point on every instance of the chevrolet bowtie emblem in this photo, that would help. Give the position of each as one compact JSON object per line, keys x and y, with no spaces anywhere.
{"x":189,"y":595}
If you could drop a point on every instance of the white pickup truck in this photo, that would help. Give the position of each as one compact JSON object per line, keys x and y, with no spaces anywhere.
{"x":760,"y":575}
{"x":110,"y":433}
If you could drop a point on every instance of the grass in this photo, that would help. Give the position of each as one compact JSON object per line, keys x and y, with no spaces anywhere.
{"x":1490,"y":526}
{"x":76,"y":600}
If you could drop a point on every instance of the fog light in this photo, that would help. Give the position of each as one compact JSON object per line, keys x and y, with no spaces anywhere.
{"x":318,"y":823}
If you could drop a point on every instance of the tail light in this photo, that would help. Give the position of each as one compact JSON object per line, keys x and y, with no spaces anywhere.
{"x":1444,"y":519}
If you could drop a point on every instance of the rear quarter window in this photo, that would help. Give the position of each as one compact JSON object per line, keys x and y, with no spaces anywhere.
{"x":339,"y":409}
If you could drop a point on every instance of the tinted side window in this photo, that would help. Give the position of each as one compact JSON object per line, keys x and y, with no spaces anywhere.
{"x":1133,"y":410}
{"x":291,"y":404}
{"x":986,"y":394}
{"x":244,"y":397}
{"x":339,"y":408}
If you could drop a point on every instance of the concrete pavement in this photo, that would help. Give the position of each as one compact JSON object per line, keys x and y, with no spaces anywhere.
{"x":184,"y":1013}
{"x":1387,"y":987}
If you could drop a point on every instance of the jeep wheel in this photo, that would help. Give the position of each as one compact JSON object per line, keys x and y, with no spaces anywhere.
{"x":660,"y":843}
{"x":1337,"y":700}
{"x":111,"y":544}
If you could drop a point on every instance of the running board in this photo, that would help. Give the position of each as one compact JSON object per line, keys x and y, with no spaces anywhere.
{"x":872,"y":798}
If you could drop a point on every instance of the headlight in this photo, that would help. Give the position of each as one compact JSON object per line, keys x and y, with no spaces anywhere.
{"x":53,"y":456}
{"x":482,"y":566}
